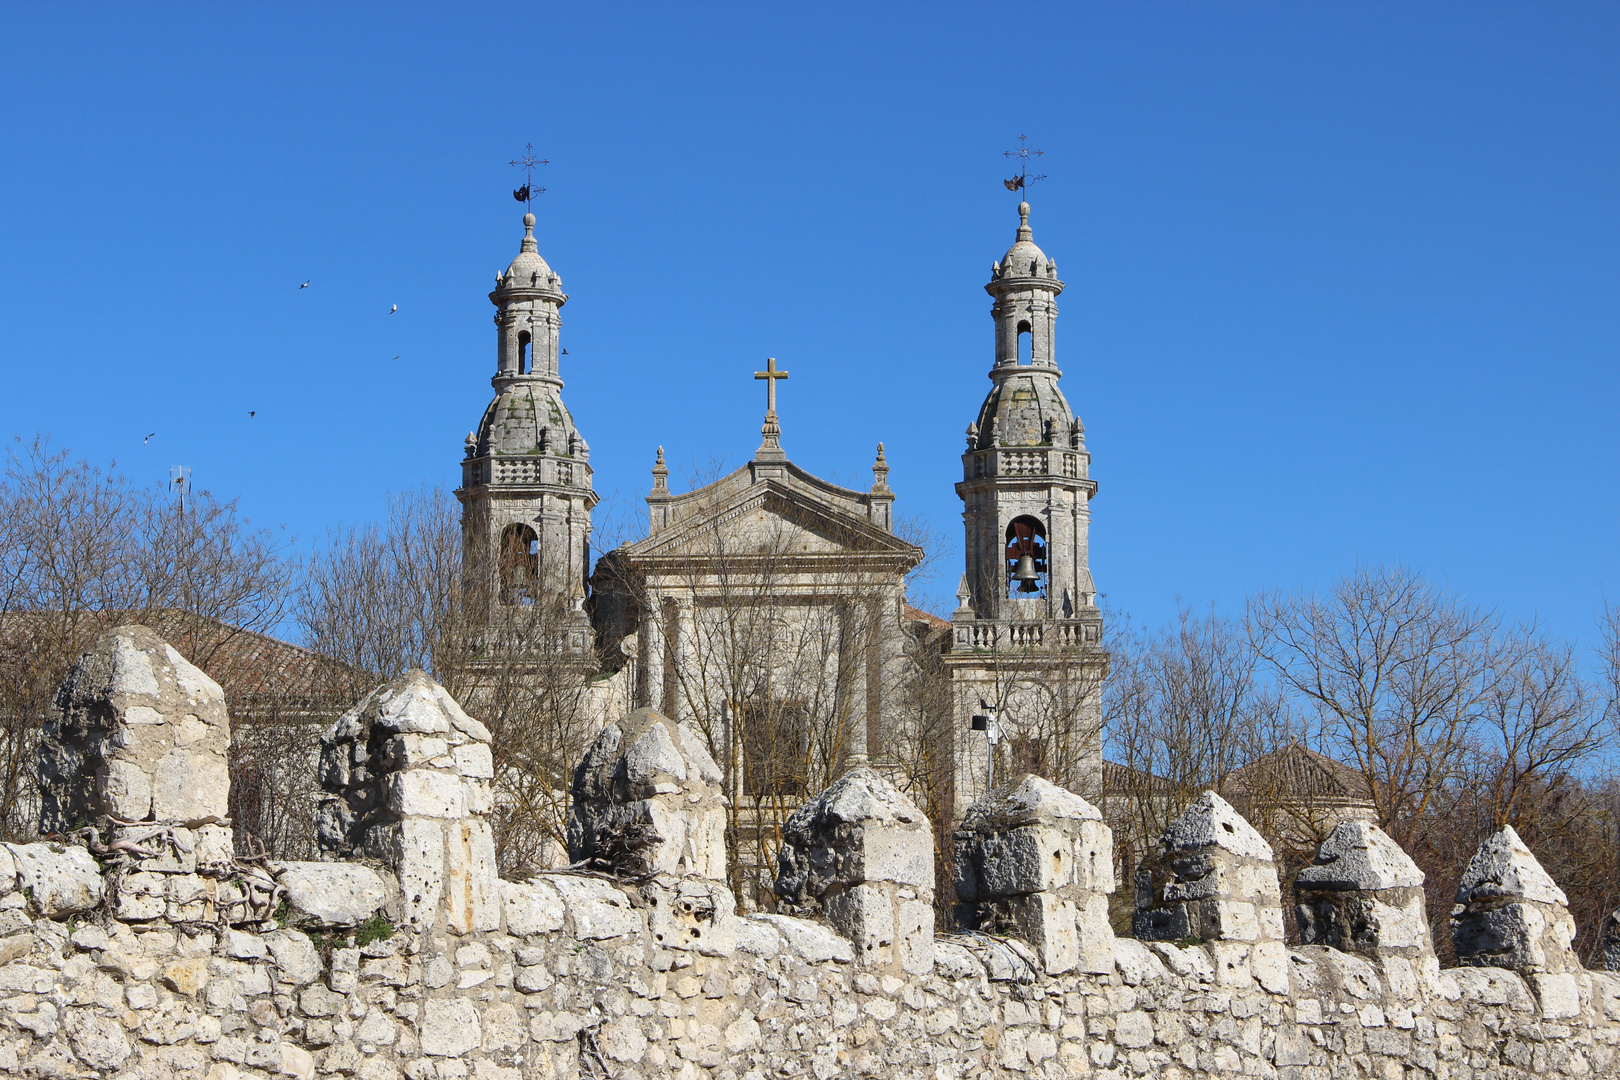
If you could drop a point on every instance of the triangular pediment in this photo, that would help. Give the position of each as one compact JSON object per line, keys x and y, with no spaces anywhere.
{"x":767,"y":518}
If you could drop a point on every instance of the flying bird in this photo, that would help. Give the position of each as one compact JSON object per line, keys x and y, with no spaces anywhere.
{"x":305,"y":285}
{"x":147,"y":439}
{"x":252,"y":414}
{"x":393,"y":309}
{"x":396,"y":358}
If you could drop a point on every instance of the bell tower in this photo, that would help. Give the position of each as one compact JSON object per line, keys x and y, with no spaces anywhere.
{"x":1026,"y":637}
{"x":525,"y":490}
{"x":1026,"y":486}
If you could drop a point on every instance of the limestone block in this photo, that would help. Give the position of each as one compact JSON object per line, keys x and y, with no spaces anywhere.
{"x":416,"y":853}
{"x":1509,"y":913}
{"x":62,"y":879}
{"x":646,"y":800}
{"x":1210,"y":877}
{"x":335,"y":894}
{"x":597,"y":908}
{"x":141,"y":734}
{"x":296,"y":958}
{"x":531,"y":907}
{"x":425,"y":793}
{"x":450,"y":1027}
{"x":691,"y":914}
{"x":471,"y":881}
{"x":862,"y":829}
{"x":1363,"y":895}
{"x":810,"y":941}
{"x":859,"y":852}
{"x":1036,"y":860}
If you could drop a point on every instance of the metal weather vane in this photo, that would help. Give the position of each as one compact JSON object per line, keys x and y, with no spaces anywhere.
{"x":527,"y":163}
{"x":1023,"y":154}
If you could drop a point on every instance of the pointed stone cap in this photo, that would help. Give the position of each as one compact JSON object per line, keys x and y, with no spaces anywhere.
{"x":1212,"y":822}
{"x":861,"y":795}
{"x":1028,"y":800}
{"x":1503,"y":868}
{"x":409,"y":704}
{"x":1358,"y":856}
{"x":143,"y":735}
{"x":644,"y":755}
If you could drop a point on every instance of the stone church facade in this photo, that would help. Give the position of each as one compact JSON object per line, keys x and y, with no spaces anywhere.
{"x":768,"y":608}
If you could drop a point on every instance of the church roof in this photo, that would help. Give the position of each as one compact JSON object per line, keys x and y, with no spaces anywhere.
{"x":529,"y":270}
{"x":1024,"y":259}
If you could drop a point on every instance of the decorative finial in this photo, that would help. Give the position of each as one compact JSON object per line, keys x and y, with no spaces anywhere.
{"x":880,"y":472}
{"x":973,"y":436}
{"x":660,"y":474}
{"x":525,"y":193}
{"x":1023,"y":179}
{"x":528,"y":223}
{"x":470,"y":444}
{"x":1077,"y":434}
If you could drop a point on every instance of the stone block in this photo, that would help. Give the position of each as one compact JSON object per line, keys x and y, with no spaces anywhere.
{"x":471,"y":881}
{"x":142,"y":734}
{"x":531,"y":907}
{"x":1210,"y":877}
{"x":61,"y":878}
{"x":1509,"y":913}
{"x":335,"y":894}
{"x":416,"y":854}
{"x":646,"y":800}
{"x":425,"y":793}
{"x":858,"y":852}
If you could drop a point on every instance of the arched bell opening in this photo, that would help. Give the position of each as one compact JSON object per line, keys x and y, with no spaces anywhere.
{"x":519,"y":564}
{"x":525,"y":353}
{"x":1025,"y":344}
{"x":1026,"y":558}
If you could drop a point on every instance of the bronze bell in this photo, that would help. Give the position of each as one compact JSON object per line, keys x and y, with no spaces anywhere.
{"x":1025,"y":575}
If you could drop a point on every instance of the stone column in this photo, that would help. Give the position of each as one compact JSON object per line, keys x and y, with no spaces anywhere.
{"x":862,"y":855}
{"x":407,"y":778}
{"x":142,"y":739}
{"x":647,"y":804}
{"x":1038,"y":860}
{"x":1363,"y":895}
{"x":1510,"y":914}
{"x":1212,"y":878}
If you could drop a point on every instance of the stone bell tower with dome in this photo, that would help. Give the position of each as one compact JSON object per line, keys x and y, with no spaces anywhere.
{"x":525,"y":490}
{"x":1026,"y":637}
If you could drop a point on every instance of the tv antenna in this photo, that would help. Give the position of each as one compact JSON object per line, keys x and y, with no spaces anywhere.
{"x":527,"y":163}
{"x":180,"y":483}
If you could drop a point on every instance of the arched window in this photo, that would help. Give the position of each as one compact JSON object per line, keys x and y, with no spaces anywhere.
{"x":1024,"y":343}
{"x":525,"y":353}
{"x":519,"y":564}
{"x":1026,"y":540}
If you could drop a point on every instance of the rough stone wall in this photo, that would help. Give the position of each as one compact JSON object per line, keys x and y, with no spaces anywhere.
{"x":578,"y":974}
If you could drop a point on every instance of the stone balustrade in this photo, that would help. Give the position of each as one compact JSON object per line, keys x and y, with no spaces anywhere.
{"x":143,"y":950}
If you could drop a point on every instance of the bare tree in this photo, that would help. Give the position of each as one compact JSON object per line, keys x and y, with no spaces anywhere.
{"x":1399,"y":674}
{"x":82,"y":549}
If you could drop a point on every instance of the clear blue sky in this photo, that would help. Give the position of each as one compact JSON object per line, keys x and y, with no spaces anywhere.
{"x":1342,"y":278}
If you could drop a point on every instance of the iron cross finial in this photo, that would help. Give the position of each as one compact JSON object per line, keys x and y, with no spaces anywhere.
{"x":1023,"y":154}
{"x":527,"y":163}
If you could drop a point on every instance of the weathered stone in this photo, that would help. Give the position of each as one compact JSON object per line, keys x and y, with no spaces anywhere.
{"x":646,"y":800}
{"x":1210,"y":877}
{"x":863,"y":854}
{"x":336,"y":894}
{"x":531,"y":907}
{"x":1510,"y":914}
{"x":450,"y":1027}
{"x":1363,"y":895}
{"x":61,"y":878}
{"x":142,"y":735}
{"x":1037,"y":861}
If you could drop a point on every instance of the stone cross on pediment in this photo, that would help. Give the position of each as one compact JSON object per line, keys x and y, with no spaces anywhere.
{"x":771,"y":430}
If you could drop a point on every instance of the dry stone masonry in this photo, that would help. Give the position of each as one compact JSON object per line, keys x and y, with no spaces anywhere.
{"x":135,"y":946}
